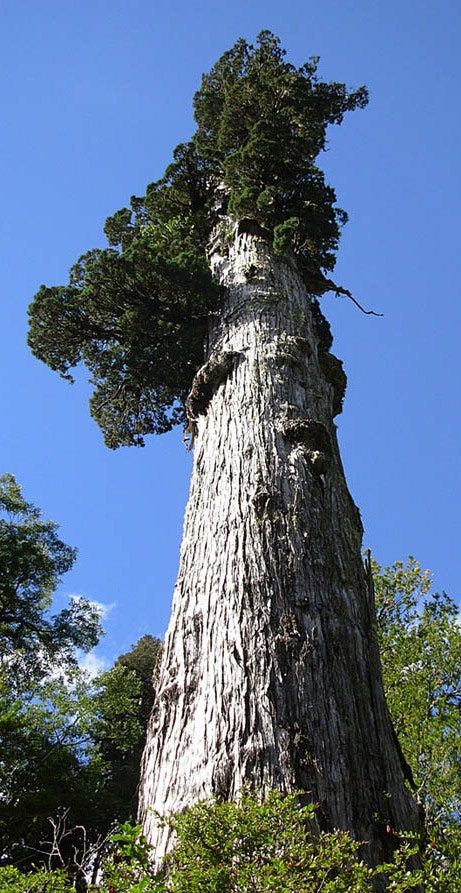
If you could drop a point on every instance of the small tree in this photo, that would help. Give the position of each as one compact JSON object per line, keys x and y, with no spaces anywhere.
{"x":120,"y":711}
{"x":71,"y":751}
{"x":420,"y":641}
{"x":32,"y":560}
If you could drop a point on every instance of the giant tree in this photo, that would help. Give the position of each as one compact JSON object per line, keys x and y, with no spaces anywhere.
{"x":204,"y":310}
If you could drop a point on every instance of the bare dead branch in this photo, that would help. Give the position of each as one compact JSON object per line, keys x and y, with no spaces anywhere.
{"x":329,"y":285}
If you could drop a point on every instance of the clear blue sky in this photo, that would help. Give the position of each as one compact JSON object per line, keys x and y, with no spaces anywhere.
{"x":94,"y":96}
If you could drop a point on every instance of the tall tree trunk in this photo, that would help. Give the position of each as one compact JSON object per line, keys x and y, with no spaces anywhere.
{"x":271,"y":673}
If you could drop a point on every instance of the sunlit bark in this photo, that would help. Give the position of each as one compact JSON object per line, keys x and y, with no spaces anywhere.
{"x":271,"y":674}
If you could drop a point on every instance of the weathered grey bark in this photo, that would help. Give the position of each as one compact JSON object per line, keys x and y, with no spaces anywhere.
{"x":271,"y":673}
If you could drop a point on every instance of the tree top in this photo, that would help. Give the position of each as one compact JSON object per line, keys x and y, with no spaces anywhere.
{"x":137,"y":313}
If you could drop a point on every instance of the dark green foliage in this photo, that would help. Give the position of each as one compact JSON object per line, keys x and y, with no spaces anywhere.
{"x":69,"y":748}
{"x":40,"y":721}
{"x":43,"y":772}
{"x":32,"y":560}
{"x":121,"y":709}
{"x":137,"y":313}
{"x":143,"y":660}
{"x":12,"y":880}
{"x":261,"y":124}
{"x":72,"y":749}
{"x":138,"y":320}
{"x":260,"y":846}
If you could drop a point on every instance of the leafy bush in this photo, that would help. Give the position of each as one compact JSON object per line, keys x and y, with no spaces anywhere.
{"x":14,"y":881}
{"x":268,"y":847}
{"x":253,"y":847}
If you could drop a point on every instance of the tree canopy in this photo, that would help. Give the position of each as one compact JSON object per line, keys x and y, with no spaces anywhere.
{"x":420,"y":642}
{"x":32,"y":560}
{"x":137,"y":313}
{"x":70,"y":746}
{"x":71,"y":750}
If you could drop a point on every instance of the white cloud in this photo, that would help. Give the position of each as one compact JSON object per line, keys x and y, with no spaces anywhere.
{"x":102,"y":608}
{"x":92,"y":664}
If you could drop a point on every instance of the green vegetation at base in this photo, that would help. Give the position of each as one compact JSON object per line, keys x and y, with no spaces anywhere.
{"x":253,"y":847}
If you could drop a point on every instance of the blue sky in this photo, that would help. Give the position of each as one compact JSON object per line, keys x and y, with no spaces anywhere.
{"x":94,"y":96}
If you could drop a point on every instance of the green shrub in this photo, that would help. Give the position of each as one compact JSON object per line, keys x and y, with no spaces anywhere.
{"x":253,"y":847}
{"x":14,"y":881}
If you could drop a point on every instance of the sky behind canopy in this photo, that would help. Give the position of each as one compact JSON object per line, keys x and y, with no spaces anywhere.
{"x":94,"y":96}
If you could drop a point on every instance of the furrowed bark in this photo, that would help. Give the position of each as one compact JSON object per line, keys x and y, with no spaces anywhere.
{"x":271,"y":674}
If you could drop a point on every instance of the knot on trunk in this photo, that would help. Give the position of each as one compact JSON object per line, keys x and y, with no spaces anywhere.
{"x":222,"y":779}
{"x":313,"y":437}
{"x":206,"y":382}
{"x":292,"y":351}
{"x":264,"y":502}
{"x":303,"y":755}
{"x":290,"y":641}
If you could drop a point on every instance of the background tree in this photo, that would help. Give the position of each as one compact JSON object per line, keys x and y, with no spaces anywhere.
{"x":271,"y":644}
{"x":40,"y":724}
{"x":120,"y":711}
{"x":71,"y":750}
{"x":70,"y":747}
{"x":420,"y":641}
{"x":32,"y":559}
{"x":45,"y":775}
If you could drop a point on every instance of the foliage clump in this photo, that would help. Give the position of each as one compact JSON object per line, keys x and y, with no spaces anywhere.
{"x":71,"y":751}
{"x":137,"y":313}
{"x":12,"y":880}
{"x":258,"y":846}
{"x":261,"y":124}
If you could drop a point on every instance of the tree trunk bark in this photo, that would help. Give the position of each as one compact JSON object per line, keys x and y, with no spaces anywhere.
{"x":271,"y":674}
